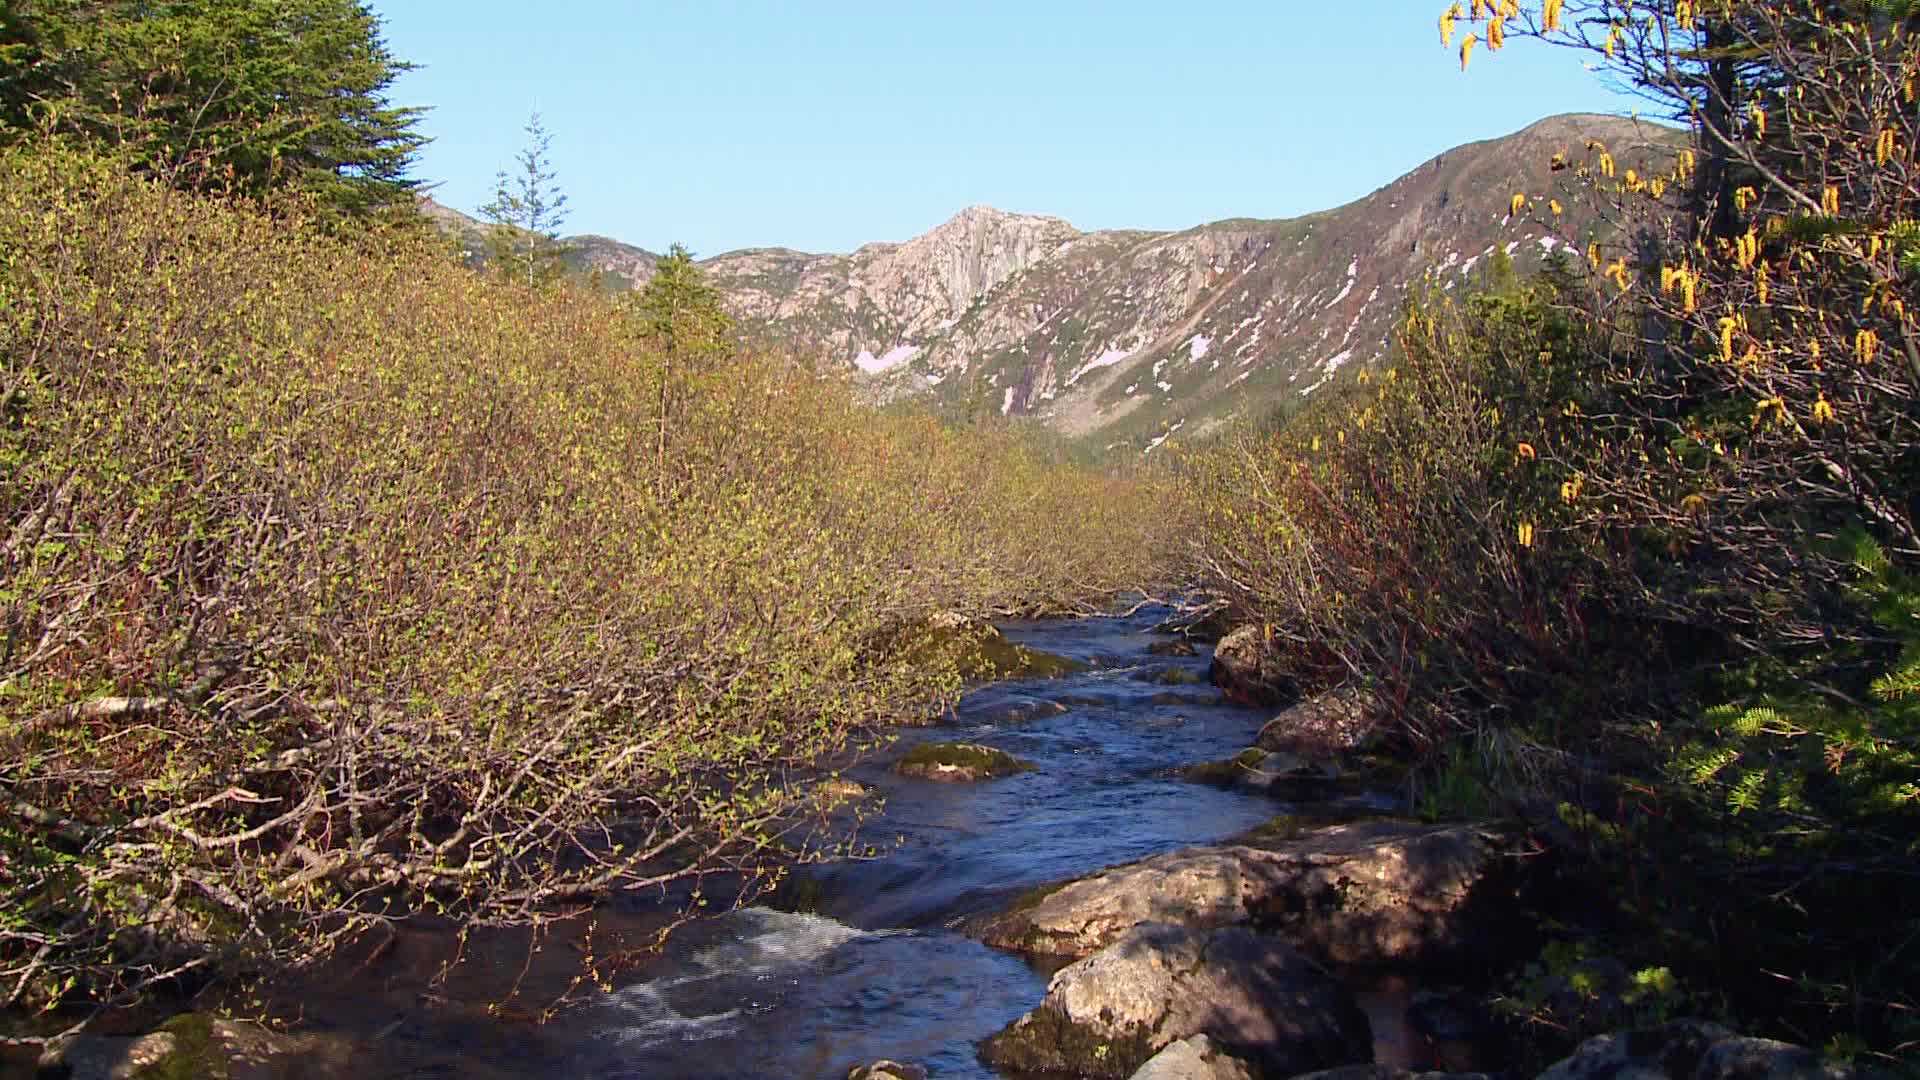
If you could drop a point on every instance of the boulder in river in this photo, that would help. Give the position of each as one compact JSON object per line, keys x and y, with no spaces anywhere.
{"x":1366,"y":894}
{"x":1173,"y":646}
{"x":1270,"y":773}
{"x":1247,"y":667}
{"x":1337,"y":721}
{"x":980,"y":651}
{"x":959,"y":763}
{"x":1109,"y":1014}
{"x":887,"y":1070}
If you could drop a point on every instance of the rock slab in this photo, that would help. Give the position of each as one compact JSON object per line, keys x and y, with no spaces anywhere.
{"x":1109,"y":1014}
{"x":1369,"y":894}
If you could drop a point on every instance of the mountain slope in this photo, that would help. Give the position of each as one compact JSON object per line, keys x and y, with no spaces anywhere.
{"x":1123,"y":338}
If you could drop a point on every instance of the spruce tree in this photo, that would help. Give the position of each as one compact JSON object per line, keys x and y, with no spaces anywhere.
{"x":527,"y":211}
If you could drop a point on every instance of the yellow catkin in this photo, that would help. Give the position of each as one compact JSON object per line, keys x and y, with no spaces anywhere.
{"x":1873,"y":247}
{"x":1830,"y":201}
{"x":1550,"y":15}
{"x":1683,"y":13}
{"x":1823,"y":410}
{"x":1479,"y":9}
{"x":1618,"y":272}
{"x":1686,"y":161}
{"x":1593,"y":255}
{"x":1746,"y":248}
{"x":1606,"y":164}
{"x":1760,"y":281}
{"x":1669,"y":279}
{"x":1447,"y":19}
{"x":1524,"y":534}
{"x":1554,"y":205}
{"x":1866,"y":344}
{"x":1771,"y":407}
{"x":1466,"y":50}
{"x":1613,"y":40}
{"x":1883,"y":147}
{"x":1496,"y":32}
{"x":1688,"y":283}
{"x":1519,"y":203}
{"x":1657,"y":186}
{"x":1727,"y":326}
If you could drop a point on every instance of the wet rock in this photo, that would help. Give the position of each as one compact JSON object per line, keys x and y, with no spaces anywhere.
{"x":980,"y":651}
{"x":1109,"y":1014}
{"x":835,"y":790}
{"x":1173,"y":647}
{"x":959,"y":763}
{"x":1269,"y":773}
{"x":1195,"y":1057}
{"x":1692,"y":1050}
{"x":888,"y":1070}
{"x":1171,"y":676}
{"x":1337,"y":721}
{"x":1365,"y":894}
{"x":1247,"y":668}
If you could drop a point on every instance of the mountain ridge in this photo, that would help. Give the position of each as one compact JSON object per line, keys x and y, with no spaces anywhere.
{"x":1124,"y":337}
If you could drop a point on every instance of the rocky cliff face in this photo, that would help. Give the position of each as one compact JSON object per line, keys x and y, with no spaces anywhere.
{"x":1125,"y":339}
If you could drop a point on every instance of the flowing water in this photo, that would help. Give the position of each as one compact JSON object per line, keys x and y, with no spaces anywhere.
{"x":876,"y":970}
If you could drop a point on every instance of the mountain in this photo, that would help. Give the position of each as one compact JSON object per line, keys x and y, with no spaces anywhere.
{"x":1122,"y":338}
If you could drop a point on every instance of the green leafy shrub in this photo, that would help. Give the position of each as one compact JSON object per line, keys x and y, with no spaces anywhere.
{"x":343,"y":584}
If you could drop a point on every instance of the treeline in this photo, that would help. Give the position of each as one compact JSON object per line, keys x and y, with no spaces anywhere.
{"x":1629,"y":549}
{"x":340,"y":584}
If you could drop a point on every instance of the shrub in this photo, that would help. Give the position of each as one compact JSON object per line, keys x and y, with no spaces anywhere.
{"x":343,"y":584}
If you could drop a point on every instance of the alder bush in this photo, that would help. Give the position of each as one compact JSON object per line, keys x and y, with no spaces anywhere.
{"x":1640,"y":536}
{"x":342,"y":584}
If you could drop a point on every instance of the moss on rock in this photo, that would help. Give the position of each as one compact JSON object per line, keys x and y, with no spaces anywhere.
{"x":959,"y":762}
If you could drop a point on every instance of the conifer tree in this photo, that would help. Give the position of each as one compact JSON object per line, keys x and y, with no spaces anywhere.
{"x":246,"y":96}
{"x":527,"y":211}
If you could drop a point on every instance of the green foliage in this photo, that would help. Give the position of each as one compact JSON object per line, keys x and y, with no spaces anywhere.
{"x":235,"y":95}
{"x":341,"y":585}
{"x":527,"y":211}
{"x":679,"y":309}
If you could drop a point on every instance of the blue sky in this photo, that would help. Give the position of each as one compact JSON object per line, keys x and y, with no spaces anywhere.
{"x":824,"y":124}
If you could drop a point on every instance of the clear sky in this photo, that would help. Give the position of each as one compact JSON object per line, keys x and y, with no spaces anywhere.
{"x":824,"y":124}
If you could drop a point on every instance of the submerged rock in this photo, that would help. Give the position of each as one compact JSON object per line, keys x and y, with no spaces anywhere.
{"x":959,"y":763}
{"x":1269,"y":773}
{"x":1109,"y":1014}
{"x":1365,"y":894}
{"x":1195,"y":1057}
{"x":1173,"y":647}
{"x":1247,"y":668}
{"x":887,"y":1070}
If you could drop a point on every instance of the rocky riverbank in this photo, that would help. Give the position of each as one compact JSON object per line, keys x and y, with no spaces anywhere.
{"x":1276,"y":913}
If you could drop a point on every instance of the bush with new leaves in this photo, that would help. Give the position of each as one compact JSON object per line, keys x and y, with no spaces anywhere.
{"x":342,"y":584}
